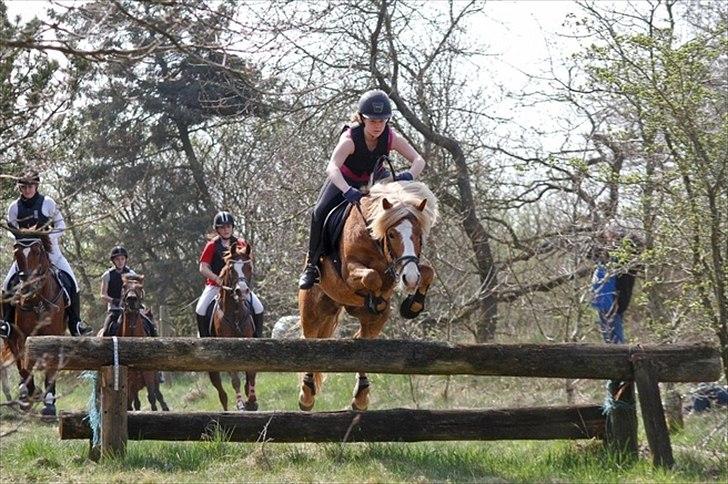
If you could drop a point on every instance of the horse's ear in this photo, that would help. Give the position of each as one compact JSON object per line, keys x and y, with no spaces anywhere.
{"x":422,"y":204}
{"x":233,"y":249}
{"x":140,"y":278}
{"x":385,"y":204}
{"x":124,"y":278}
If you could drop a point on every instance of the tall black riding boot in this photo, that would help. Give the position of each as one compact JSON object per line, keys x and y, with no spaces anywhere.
{"x":73,"y":316}
{"x":258,"y":320}
{"x":311,"y":275}
{"x":203,"y":326}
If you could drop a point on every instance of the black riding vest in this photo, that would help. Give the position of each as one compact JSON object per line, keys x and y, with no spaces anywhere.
{"x":218,"y":262}
{"x":30,"y":212}
{"x":115,"y":282}
{"x":363,"y":162}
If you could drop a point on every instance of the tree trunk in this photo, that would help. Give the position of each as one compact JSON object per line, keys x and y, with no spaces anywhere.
{"x":196,"y":168}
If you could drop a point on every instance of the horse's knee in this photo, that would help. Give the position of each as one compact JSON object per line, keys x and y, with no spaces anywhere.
{"x":372,"y":281}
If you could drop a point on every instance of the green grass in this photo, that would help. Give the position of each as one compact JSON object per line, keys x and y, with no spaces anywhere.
{"x":34,"y":452}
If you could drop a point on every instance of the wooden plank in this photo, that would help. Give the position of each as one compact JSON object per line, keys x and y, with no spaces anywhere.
{"x":114,"y":428}
{"x":397,"y":425}
{"x":688,"y":362}
{"x":653,"y":415}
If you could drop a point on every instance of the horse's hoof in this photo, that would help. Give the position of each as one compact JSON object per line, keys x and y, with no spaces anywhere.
{"x":48,"y":411}
{"x":406,"y":310}
{"x":357,"y":409}
{"x":304,"y":407}
{"x":165,"y":408}
{"x":251,"y":406}
{"x":240,"y":405}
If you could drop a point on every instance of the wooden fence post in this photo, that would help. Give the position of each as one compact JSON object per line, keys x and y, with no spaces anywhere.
{"x":622,"y":419}
{"x":653,"y":415}
{"x":113,"y":410}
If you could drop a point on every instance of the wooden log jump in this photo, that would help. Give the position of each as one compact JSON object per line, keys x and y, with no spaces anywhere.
{"x":679,"y":363}
{"x":397,"y":425}
{"x":623,"y":365}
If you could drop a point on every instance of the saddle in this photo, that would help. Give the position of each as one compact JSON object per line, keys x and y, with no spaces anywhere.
{"x":64,"y":280}
{"x":332,"y":229}
{"x":212,"y":307}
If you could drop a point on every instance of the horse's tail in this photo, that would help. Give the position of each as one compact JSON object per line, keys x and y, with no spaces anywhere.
{"x":319,"y":378}
{"x":6,"y":355}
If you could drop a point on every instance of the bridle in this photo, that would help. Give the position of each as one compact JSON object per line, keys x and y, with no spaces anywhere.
{"x":235,"y":319}
{"x":396,"y":265}
{"x":38,"y":278}
{"x":128,"y":309}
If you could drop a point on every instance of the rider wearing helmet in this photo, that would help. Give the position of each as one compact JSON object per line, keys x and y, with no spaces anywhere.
{"x":111,"y":286}
{"x":211,"y":264}
{"x":355,"y":162}
{"x":33,"y":210}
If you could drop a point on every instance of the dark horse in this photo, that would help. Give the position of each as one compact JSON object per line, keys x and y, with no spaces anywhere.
{"x":232,"y":318}
{"x":40,"y":311}
{"x":132,"y":296}
{"x":379,"y":248}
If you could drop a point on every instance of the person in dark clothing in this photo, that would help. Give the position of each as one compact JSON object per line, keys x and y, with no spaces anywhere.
{"x":32,"y":210}
{"x":356,"y":163}
{"x":613,"y":286}
{"x":111,"y":286}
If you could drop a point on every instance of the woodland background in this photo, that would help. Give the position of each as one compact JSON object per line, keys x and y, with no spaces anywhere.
{"x":145,"y":118}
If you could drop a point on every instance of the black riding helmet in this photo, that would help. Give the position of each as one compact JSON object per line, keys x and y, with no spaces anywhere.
{"x":223,"y":218}
{"x":118,"y":250}
{"x":375,"y":104}
{"x":30,"y":177}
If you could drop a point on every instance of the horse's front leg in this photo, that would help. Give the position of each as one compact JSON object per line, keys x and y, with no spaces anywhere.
{"x":360,"y":277}
{"x":235,"y":380}
{"x":413,"y":304}
{"x":150,"y":381}
{"x":252,"y":403}
{"x":49,"y":397}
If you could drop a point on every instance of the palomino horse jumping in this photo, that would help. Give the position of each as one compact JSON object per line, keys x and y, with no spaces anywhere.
{"x":232,"y":318}
{"x":379,"y":248}
{"x":132,"y":296}
{"x":40,"y":310}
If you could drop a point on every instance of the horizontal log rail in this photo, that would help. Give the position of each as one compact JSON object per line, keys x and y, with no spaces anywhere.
{"x":397,"y":425}
{"x":679,"y":363}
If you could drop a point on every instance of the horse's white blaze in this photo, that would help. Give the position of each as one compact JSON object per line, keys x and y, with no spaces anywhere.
{"x":410,"y":272}
{"x":241,"y":284}
{"x":26,"y":251}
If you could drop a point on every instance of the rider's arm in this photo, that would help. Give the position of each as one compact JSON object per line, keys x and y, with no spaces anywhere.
{"x":12,"y":217}
{"x":49,"y":208}
{"x":105,"y":288}
{"x":343,"y":149}
{"x":404,"y":148}
{"x":206,"y":271}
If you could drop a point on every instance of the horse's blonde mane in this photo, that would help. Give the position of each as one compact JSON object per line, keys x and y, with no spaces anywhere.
{"x":405,"y":197}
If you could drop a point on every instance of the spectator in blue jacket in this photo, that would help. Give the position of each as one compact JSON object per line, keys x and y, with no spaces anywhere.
{"x":613,"y":282}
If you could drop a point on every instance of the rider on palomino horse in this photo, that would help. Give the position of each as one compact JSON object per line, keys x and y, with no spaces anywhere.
{"x":211,"y":263}
{"x":357,"y":160}
{"x":111,"y":286}
{"x":33,"y":210}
